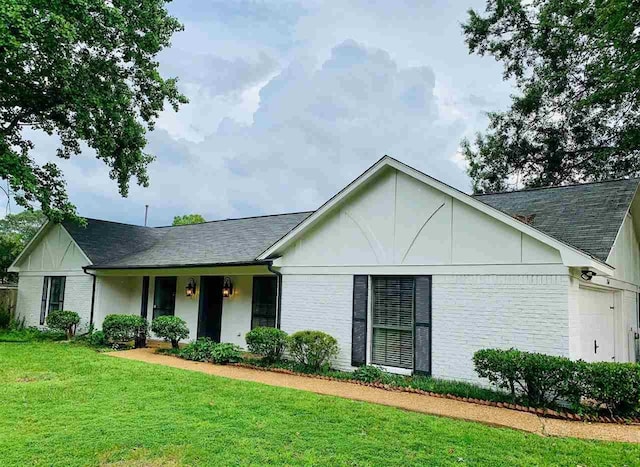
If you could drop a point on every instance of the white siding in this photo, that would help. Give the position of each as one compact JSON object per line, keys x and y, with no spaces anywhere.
{"x":320,"y":303}
{"x":474,"y":312}
{"x":397,"y":220}
{"x":625,"y":254}
{"x":55,"y":251}
{"x":236,"y":311}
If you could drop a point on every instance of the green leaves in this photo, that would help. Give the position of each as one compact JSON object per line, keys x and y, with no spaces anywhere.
{"x":577,"y":117}
{"x":85,"y":71}
{"x":188,"y":219}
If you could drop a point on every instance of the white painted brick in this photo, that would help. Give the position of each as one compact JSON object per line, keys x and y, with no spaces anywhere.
{"x":77,"y":297}
{"x":474,"y":312}
{"x":321,"y":303}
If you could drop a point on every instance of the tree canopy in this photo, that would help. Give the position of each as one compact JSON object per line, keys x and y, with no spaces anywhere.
{"x":576,"y":64}
{"x":16,"y":230}
{"x":188,"y":219}
{"x":83,"y":70}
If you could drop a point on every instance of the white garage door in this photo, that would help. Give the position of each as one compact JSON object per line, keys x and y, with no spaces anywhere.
{"x":597,"y":325}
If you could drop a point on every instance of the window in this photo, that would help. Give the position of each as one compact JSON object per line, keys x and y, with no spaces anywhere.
{"x":164,"y":297}
{"x":52,"y":296}
{"x":392,"y":314}
{"x":263,"y":309}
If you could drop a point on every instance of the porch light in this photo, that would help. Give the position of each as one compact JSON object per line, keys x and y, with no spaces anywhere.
{"x":227,"y":287}
{"x":190,"y":290}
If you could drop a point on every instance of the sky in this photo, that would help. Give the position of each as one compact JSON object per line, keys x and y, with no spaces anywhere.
{"x":290,"y":101}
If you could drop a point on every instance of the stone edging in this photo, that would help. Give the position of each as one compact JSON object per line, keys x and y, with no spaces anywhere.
{"x":506,"y":405}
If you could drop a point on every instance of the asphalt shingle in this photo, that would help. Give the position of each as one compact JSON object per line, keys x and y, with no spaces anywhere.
{"x":113,"y":245}
{"x":586,"y":216}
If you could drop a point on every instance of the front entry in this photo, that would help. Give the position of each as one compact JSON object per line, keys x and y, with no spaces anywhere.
{"x":210,"y":312}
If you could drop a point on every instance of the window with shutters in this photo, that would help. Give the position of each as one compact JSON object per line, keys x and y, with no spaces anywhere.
{"x":52,"y":295}
{"x":392,"y":314}
{"x":263,"y":309}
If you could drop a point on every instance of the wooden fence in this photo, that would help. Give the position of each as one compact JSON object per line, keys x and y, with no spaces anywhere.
{"x":8,"y":298}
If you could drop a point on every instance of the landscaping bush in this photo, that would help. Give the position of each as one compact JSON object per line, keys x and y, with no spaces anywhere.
{"x":206,"y":350}
{"x":225,"y":353}
{"x":541,"y":379}
{"x":267,"y":342}
{"x":97,"y":339}
{"x":313,"y":349}
{"x":5,"y":318}
{"x":370,"y":374}
{"x":614,"y":385}
{"x":199,"y":350}
{"x":124,"y":328}
{"x":170,"y":328}
{"x":63,"y":320}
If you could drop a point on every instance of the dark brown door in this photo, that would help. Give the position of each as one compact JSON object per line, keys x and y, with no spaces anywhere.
{"x":210,"y":313}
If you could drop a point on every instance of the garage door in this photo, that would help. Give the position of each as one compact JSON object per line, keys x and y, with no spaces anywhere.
{"x":597,"y":325}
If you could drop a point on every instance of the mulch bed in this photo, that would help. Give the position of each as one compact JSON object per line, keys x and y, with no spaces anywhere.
{"x":549,"y":413}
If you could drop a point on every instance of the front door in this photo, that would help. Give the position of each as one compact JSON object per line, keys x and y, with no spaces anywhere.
{"x":164,"y":296}
{"x":210,"y":313}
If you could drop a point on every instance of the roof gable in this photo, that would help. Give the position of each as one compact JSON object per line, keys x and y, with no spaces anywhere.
{"x":571,"y":256}
{"x":586,"y":216}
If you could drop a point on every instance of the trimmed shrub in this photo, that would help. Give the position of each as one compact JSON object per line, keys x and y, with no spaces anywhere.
{"x":370,"y":374}
{"x":615,"y":386}
{"x":541,"y":379}
{"x":206,"y":350}
{"x":124,"y":328}
{"x":267,"y":342}
{"x":97,"y":339}
{"x":170,"y":328}
{"x":63,"y":320}
{"x":225,"y":353}
{"x":5,"y":318}
{"x":313,"y":349}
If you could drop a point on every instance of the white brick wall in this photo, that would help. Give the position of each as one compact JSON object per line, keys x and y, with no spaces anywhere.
{"x":474,"y":312}
{"x":322,"y":303}
{"x":77,"y":297}
{"x":29,"y":297}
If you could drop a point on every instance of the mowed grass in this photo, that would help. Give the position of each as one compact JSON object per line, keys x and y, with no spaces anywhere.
{"x":63,"y":404}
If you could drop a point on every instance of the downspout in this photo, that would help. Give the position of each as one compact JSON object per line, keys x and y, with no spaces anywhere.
{"x":279,"y":301}
{"x":93,"y":296}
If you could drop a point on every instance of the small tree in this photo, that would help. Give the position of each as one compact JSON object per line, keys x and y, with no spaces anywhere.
{"x":170,"y":328}
{"x":188,"y":219}
{"x":64,"y":321}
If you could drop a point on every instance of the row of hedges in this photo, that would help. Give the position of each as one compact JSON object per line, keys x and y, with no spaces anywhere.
{"x":311,"y":349}
{"x":206,"y":350}
{"x":544,"y":380}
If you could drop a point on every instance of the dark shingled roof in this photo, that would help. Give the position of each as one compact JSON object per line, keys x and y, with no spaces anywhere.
{"x":586,"y":216}
{"x":114,"y":245}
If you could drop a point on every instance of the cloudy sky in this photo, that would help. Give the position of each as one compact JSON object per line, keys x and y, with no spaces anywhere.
{"x":289,"y":101}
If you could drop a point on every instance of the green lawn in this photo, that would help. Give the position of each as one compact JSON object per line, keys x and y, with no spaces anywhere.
{"x":63,"y":404}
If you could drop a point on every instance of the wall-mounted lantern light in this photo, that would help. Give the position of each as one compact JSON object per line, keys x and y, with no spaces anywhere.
{"x":190,"y":290}
{"x":227,"y":287}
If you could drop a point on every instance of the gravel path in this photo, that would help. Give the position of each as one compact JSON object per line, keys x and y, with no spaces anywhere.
{"x":494,"y":416}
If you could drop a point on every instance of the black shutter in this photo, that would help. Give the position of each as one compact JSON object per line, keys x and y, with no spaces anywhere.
{"x":422,"y":360}
{"x":359,"y":323}
{"x":43,"y":303}
{"x":144,"y":300}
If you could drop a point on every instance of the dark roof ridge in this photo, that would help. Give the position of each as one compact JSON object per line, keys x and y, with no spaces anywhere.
{"x":571,"y":185}
{"x":236,"y":219}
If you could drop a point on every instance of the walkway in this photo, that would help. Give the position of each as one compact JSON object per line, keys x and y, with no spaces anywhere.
{"x":494,"y":416}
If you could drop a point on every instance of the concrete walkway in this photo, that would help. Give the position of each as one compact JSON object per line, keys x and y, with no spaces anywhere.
{"x":494,"y":416}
